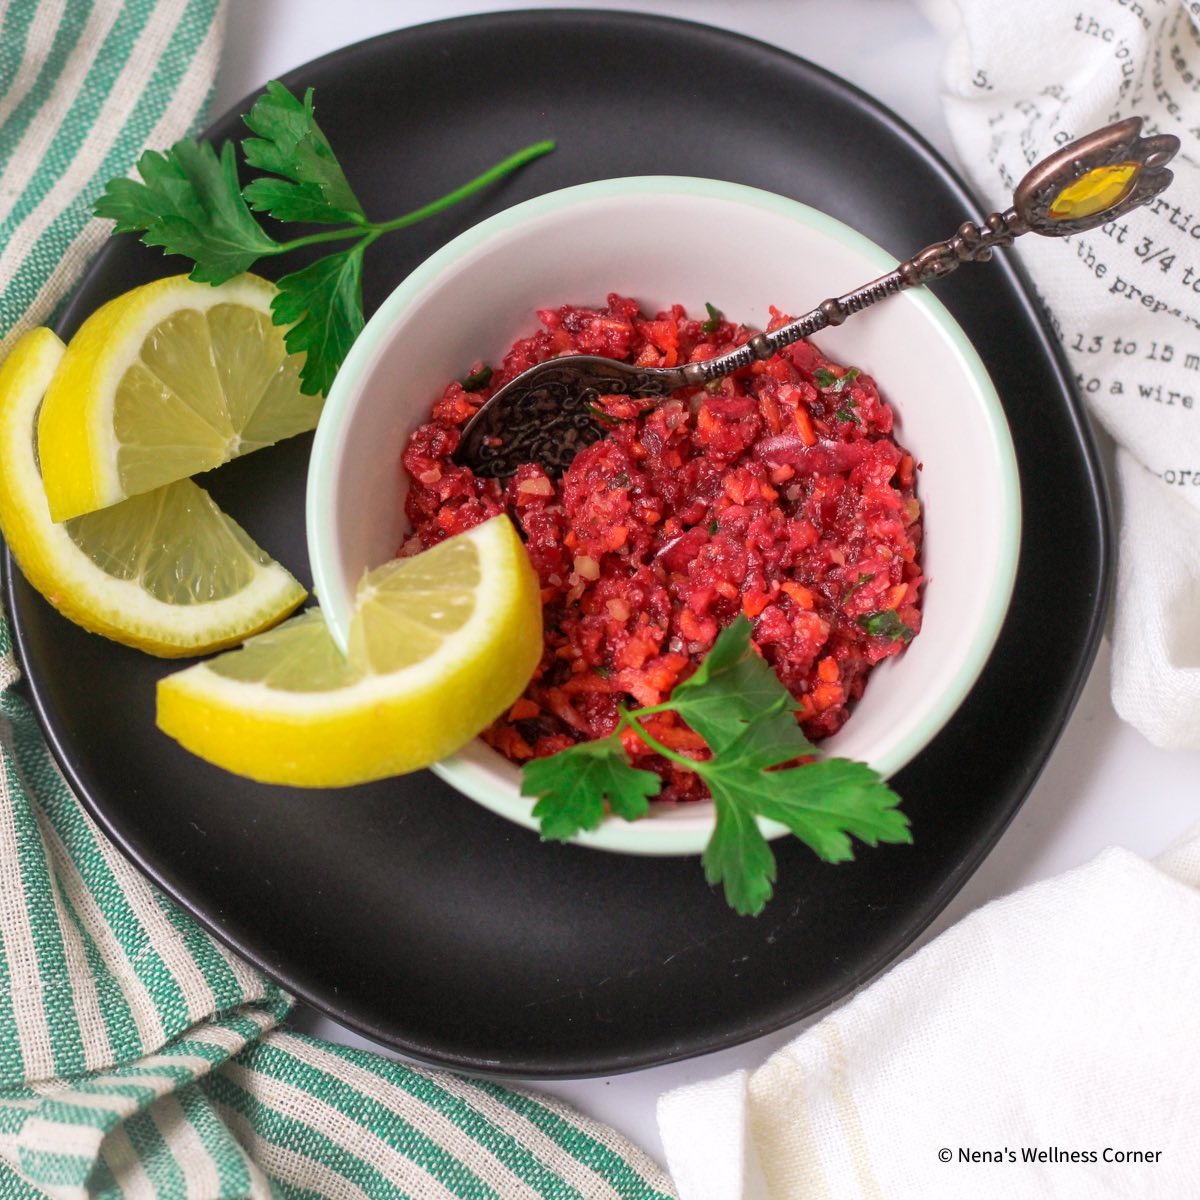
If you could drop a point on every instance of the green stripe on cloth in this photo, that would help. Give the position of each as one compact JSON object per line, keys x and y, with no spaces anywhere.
{"x":33,"y":1054}
{"x":273,"y":1077}
{"x":157,"y":93}
{"x":226,"y":990}
{"x":102,"y":1183}
{"x":577,"y":1142}
{"x":80,"y":843}
{"x":13,"y":34}
{"x":430,"y":1092}
{"x":90,"y":93}
{"x":137,"y":1056}
{"x":58,"y":1001}
{"x":67,"y":38}
{"x":230,"y":1167}
{"x":166,"y":1175}
{"x":54,"y":1171}
{"x":45,"y":237}
{"x":320,"y":1146}
{"x":12,"y":1066}
{"x":119,"y":1027}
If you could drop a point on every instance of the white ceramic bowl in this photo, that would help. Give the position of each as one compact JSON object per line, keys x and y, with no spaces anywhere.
{"x":664,"y":240}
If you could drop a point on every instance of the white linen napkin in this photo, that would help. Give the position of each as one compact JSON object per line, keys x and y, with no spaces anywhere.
{"x":1125,"y":300}
{"x":1029,"y":1045}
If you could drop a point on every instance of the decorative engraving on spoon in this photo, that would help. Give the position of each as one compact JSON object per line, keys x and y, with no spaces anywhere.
{"x":549,"y":412}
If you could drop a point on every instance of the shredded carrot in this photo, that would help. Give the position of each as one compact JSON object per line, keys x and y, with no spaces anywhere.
{"x":801,"y":596}
{"x":826,"y":695}
{"x":753,"y":602}
{"x":804,"y":426}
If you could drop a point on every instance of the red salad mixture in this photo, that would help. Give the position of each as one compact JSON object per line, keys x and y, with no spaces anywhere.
{"x":778,"y":492}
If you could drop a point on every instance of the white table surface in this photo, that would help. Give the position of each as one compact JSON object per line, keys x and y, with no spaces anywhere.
{"x":1104,"y":784}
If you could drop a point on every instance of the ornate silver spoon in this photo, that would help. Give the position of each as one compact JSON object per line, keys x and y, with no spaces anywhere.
{"x":546,"y":414}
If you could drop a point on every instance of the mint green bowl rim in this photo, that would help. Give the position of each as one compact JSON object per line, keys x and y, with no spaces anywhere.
{"x":649,"y":836}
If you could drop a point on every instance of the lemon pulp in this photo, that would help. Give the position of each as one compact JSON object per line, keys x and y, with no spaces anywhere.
{"x":166,"y":381}
{"x":440,"y":644}
{"x":166,"y":571}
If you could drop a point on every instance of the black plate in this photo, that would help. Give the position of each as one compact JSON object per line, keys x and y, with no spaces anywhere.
{"x":414,"y":915}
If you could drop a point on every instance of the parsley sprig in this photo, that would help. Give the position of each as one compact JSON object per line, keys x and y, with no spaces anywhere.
{"x":190,"y":201}
{"x":737,"y":704}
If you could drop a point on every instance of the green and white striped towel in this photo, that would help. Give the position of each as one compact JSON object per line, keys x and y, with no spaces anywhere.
{"x":137,"y":1056}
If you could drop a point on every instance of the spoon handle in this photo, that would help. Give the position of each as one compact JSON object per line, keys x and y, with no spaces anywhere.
{"x":1084,"y":184}
{"x":969,"y":244}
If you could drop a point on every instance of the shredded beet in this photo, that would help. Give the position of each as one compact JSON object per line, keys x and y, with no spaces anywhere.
{"x":779,"y":492}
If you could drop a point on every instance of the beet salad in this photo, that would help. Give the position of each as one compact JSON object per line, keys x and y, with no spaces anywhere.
{"x":779,"y":492}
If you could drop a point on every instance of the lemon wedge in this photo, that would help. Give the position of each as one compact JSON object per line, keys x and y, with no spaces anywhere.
{"x":163,"y":382}
{"x":166,"y":571}
{"x":440,"y":645}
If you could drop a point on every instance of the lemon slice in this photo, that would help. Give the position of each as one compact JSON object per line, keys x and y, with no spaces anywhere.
{"x":440,"y":645}
{"x":167,"y":571}
{"x":168,"y":380}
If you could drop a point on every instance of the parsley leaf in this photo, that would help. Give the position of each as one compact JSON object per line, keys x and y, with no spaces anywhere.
{"x":478,"y":380}
{"x":737,"y":704}
{"x":190,"y":203}
{"x":731,"y":686}
{"x":886,"y":624}
{"x":825,"y":802}
{"x":322,"y":304}
{"x":290,"y":143}
{"x":574,"y":784}
{"x":821,"y":803}
{"x":771,"y":739}
{"x":714,"y":319}
{"x":827,"y":381}
{"x":738,"y":856}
